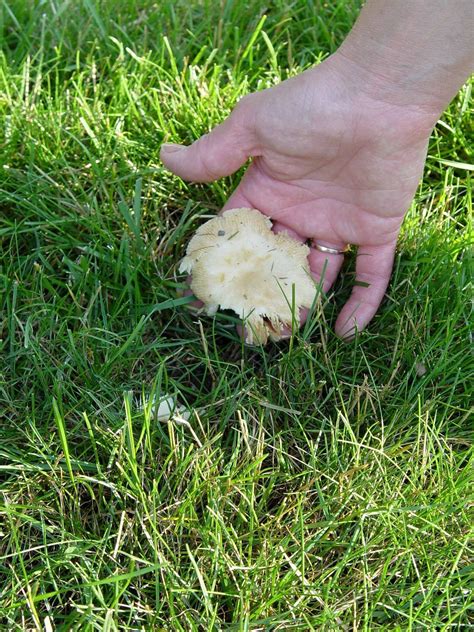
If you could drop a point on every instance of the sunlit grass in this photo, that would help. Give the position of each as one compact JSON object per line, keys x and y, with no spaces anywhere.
{"x":316,"y":484}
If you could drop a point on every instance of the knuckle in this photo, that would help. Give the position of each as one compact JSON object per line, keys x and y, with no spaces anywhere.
{"x":243,"y":109}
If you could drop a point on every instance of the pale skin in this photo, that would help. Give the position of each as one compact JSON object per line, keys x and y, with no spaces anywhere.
{"x":338,"y":151}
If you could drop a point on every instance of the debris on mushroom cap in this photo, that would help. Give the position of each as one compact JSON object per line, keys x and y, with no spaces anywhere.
{"x":238,"y":263}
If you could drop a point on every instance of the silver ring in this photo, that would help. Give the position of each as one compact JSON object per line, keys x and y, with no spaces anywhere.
{"x":329,"y":251}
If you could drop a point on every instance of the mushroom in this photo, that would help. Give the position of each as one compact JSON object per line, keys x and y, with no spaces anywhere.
{"x":238,"y":263}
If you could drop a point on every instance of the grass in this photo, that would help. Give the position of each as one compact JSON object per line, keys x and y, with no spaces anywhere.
{"x":317,"y":485}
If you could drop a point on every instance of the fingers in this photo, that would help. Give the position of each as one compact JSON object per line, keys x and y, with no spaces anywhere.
{"x":284,"y":333}
{"x":194,"y":305}
{"x":324,"y":267}
{"x":215,"y":155}
{"x":282,"y":228}
{"x":373,"y":268}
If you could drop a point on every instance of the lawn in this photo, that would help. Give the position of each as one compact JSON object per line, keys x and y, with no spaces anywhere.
{"x":310,"y":485}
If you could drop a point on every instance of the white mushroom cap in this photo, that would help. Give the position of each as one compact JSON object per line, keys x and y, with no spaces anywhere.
{"x":238,"y":263}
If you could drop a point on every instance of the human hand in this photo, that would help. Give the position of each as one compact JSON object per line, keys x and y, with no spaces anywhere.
{"x":332,"y":162}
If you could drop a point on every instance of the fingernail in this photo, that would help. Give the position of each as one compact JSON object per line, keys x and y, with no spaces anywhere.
{"x":171,"y":147}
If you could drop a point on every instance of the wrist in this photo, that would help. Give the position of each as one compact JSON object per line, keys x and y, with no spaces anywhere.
{"x":386,"y":81}
{"x":411,"y":53}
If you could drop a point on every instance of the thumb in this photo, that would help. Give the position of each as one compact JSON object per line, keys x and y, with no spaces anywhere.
{"x":215,"y":155}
